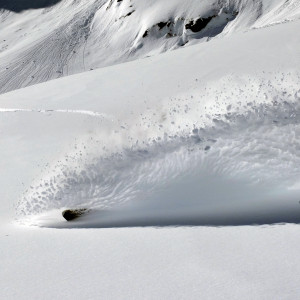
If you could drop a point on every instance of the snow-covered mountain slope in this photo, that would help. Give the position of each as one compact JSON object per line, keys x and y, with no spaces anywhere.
{"x":207,"y":134}
{"x":213,"y":128}
{"x":70,"y":36}
{"x":141,"y":132}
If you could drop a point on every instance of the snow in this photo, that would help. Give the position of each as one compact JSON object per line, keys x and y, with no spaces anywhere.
{"x":148,"y":263}
{"x":188,"y":161}
{"x":85,"y":35}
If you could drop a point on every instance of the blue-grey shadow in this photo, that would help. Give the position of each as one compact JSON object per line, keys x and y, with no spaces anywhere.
{"x":21,"y":5}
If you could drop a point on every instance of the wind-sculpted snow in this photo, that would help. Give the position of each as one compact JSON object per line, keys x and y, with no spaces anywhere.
{"x":77,"y":36}
{"x":240,"y":166}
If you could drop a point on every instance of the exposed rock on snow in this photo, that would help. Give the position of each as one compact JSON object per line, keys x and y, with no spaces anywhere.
{"x":72,"y":214}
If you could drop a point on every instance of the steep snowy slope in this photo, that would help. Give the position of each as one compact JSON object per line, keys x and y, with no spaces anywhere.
{"x":205,"y":135}
{"x":139,"y":133}
{"x":69,"y":36}
{"x":192,"y":135}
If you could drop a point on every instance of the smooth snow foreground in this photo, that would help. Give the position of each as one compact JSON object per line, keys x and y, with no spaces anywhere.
{"x":206,"y":135}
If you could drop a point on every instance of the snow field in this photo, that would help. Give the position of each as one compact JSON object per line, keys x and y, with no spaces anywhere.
{"x":205,"y":135}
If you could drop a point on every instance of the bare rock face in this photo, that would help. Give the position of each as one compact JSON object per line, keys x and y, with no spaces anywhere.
{"x":71,"y":214}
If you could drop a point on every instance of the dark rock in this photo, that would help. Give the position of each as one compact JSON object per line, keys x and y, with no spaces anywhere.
{"x":145,"y":34}
{"x":71,"y":214}
{"x":129,"y":14}
{"x":199,"y":24}
{"x":161,"y":25}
